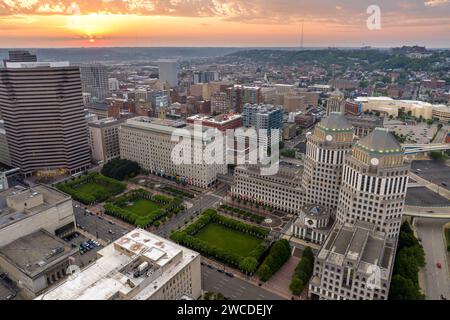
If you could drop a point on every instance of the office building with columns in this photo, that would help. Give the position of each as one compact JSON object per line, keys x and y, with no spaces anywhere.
{"x":326,"y":149}
{"x":356,"y":261}
{"x":374,"y":183}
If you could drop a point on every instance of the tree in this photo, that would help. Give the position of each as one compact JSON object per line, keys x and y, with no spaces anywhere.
{"x":296,"y":285}
{"x":121,"y":169}
{"x":303,"y":271}
{"x":278,"y":255}
{"x":437,"y":155}
{"x":404,"y":289}
{"x":264,"y":272}
{"x":363,"y":84}
{"x":248,"y":265}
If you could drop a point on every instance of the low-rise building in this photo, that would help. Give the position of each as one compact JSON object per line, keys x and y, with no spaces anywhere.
{"x":221,"y":122}
{"x":282,"y":191}
{"x":36,"y":261}
{"x":354,"y":263}
{"x":442,"y":113}
{"x":138,"y":266}
{"x":313,"y":224}
{"x":391,"y":107}
{"x":24,"y":211}
{"x":363,"y":125}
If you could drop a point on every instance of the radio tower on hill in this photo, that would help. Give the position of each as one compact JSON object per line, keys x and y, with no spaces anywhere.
{"x":301,"y":40}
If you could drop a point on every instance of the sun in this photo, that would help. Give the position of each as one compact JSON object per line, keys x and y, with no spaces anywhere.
{"x":91,"y":26}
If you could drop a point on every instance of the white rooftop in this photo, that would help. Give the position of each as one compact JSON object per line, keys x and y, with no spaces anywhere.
{"x":24,"y":65}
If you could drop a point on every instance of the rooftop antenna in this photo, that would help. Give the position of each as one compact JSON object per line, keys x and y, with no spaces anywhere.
{"x":301,"y":41}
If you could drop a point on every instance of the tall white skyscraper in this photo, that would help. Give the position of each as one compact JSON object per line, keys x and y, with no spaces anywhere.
{"x":168,"y":72}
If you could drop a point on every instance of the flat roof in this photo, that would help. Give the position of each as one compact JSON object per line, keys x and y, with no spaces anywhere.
{"x":220,"y":119}
{"x":359,"y":243}
{"x":165,"y":126}
{"x":104,"y":122}
{"x":113,"y":272}
{"x":25,"y":65}
{"x":51,"y":197}
{"x":36,"y":252}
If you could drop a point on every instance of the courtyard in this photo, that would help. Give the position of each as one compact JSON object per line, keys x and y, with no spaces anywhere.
{"x":228,"y":239}
{"x":143,"y":209}
{"x":92,"y":188}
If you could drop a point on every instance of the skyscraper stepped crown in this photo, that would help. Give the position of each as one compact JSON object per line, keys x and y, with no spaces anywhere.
{"x":334,"y":128}
{"x":379,"y":148}
{"x":326,"y":149}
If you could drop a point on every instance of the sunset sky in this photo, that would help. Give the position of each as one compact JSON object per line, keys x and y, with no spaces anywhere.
{"x":76,"y":23}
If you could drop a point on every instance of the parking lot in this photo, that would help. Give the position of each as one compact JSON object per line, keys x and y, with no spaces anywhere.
{"x":99,"y":226}
{"x":433,"y":171}
{"x":6,"y":293}
{"x":420,"y":133}
{"x":424,"y":197}
{"x":86,"y":256}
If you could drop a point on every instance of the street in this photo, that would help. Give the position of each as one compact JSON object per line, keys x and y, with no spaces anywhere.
{"x":234,"y":288}
{"x":98,"y":227}
{"x":436,"y":281}
{"x":433,"y":171}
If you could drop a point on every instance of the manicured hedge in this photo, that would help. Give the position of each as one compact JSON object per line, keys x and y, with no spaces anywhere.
{"x":278,"y":255}
{"x":244,"y":214}
{"x":246,"y":264}
{"x":168,"y":206}
{"x":303,"y":272}
{"x":176,"y":191}
{"x":111,"y":188}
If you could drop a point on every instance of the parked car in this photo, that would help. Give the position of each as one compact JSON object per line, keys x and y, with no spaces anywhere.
{"x":439,"y":265}
{"x":229,"y":274}
{"x":11,"y":296}
{"x":221,"y":270}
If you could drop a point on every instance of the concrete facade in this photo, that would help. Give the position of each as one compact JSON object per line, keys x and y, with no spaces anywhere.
{"x":148,"y":141}
{"x":104,"y":139}
{"x":138,"y":266}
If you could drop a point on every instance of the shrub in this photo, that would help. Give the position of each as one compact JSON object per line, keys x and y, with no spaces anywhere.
{"x":187,"y":238}
{"x":118,"y":208}
{"x":278,"y":255}
{"x":121,"y":169}
{"x":111,"y":187}
{"x":303,"y":272}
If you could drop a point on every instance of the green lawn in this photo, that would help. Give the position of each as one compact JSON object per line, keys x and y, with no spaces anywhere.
{"x":92,"y":187}
{"x":143,"y":207}
{"x":228,"y":239}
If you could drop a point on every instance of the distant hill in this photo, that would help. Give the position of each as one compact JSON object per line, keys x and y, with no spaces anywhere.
{"x":126,"y":54}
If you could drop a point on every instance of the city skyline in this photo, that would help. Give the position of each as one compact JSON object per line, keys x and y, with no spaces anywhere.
{"x":224,"y":23}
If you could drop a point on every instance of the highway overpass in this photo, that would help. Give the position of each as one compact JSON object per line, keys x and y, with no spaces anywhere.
{"x":427,"y":212}
{"x":419,"y":148}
